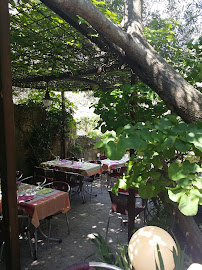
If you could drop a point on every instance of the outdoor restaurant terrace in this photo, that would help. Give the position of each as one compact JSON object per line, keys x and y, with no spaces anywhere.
{"x":128,"y":197}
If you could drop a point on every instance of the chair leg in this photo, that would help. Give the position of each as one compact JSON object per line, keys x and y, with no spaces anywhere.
{"x":67,"y":221}
{"x":145,"y":210}
{"x":33,"y":255}
{"x":107,"y":228}
{"x":1,"y":250}
{"x":101,"y":183}
{"x":82,"y":193}
{"x":35,"y":244}
{"x":49,"y":229}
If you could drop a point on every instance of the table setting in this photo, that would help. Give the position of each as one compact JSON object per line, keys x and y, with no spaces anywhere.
{"x":81,"y":166}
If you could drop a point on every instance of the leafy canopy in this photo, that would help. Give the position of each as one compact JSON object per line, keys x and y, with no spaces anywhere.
{"x":166,"y":161}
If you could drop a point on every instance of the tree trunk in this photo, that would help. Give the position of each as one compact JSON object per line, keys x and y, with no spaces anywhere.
{"x":191,"y":232}
{"x":180,"y":97}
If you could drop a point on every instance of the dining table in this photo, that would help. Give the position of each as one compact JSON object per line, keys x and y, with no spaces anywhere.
{"x":109,"y":165}
{"x":84,"y":168}
{"x":38,"y":203}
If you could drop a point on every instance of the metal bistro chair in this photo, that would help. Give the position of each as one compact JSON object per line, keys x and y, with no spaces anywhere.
{"x":62,"y":186}
{"x":119,"y":205}
{"x":116,"y":174}
{"x":34,"y":180}
{"x":19,"y":175}
{"x":39,"y":171}
{"x":24,"y":232}
{"x":92,"y":266}
{"x":46,"y":172}
{"x":75,"y":181}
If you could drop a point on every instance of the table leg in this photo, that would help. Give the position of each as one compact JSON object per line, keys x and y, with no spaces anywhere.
{"x":48,"y":238}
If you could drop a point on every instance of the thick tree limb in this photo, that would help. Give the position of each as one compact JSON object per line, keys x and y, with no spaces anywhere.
{"x":179,"y":96}
{"x":192,"y":234}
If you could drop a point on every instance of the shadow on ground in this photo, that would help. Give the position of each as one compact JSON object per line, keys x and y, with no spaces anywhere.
{"x":85,"y":221}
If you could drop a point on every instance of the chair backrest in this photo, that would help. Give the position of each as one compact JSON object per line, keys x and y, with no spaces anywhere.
{"x":119,"y":202}
{"x":34,"y":180}
{"x":19,"y":175}
{"x":103,"y":157}
{"x":95,"y":161}
{"x":118,"y":172}
{"x":60,"y":185}
{"x":39,"y":171}
{"x":92,"y":266}
{"x":75,"y":179}
{"x":60,"y":175}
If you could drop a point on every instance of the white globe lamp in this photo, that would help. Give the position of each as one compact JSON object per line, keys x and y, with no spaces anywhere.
{"x":142,"y":248}
{"x":195,"y":266}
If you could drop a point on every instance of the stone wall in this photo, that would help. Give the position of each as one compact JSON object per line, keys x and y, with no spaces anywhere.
{"x":31,"y":137}
{"x":31,"y":145}
{"x":87,"y":144}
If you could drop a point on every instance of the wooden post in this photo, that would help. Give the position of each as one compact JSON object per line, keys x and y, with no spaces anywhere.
{"x":63,"y":148}
{"x":7,"y":146}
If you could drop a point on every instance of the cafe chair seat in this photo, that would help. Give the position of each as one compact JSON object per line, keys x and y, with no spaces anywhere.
{"x":92,"y":266}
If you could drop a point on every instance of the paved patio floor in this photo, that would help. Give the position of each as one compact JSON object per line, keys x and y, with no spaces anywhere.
{"x":85,"y":221}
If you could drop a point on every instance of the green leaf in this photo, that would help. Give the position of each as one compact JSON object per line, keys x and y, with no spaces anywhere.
{"x":180,"y":128}
{"x":176,"y":194}
{"x":164,"y":124}
{"x":160,"y":258}
{"x":195,"y":136}
{"x":147,"y":191}
{"x":115,"y":150}
{"x":135,"y":142}
{"x":188,"y":204}
{"x":168,"y":142}
{"x":182,"y":146}
{"x":178,"y":171}
{"x":98,"y":145}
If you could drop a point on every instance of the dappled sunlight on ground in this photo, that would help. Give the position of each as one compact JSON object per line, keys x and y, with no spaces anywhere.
{"x":86,"y":221}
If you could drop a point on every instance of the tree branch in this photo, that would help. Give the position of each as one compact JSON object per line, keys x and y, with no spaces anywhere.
{"x":151,"y":68}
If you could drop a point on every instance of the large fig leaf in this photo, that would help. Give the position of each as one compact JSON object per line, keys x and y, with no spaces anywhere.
{"x":188,"y":204}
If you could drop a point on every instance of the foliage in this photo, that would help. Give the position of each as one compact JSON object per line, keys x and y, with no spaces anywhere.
{"x":138,"y":103}
{"x":43,"y":132}
{"x":75,"y":150}
{"x":106,"y":254}
{"x":185,"y":58}
{"x":121,"y":259}
{"x":39,"y":46}
{"x":181,"y":259}
{"x":158,"y":215}
{"x":118,"y":107}
{"x":106,"y":8}
{"x":87,"y":126}
{"x":162,"y":163}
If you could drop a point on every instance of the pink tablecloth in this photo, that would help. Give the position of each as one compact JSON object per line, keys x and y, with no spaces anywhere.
{"x":84,"y":168}
{"x":109,"y":165}
{"x":41,"y":205}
